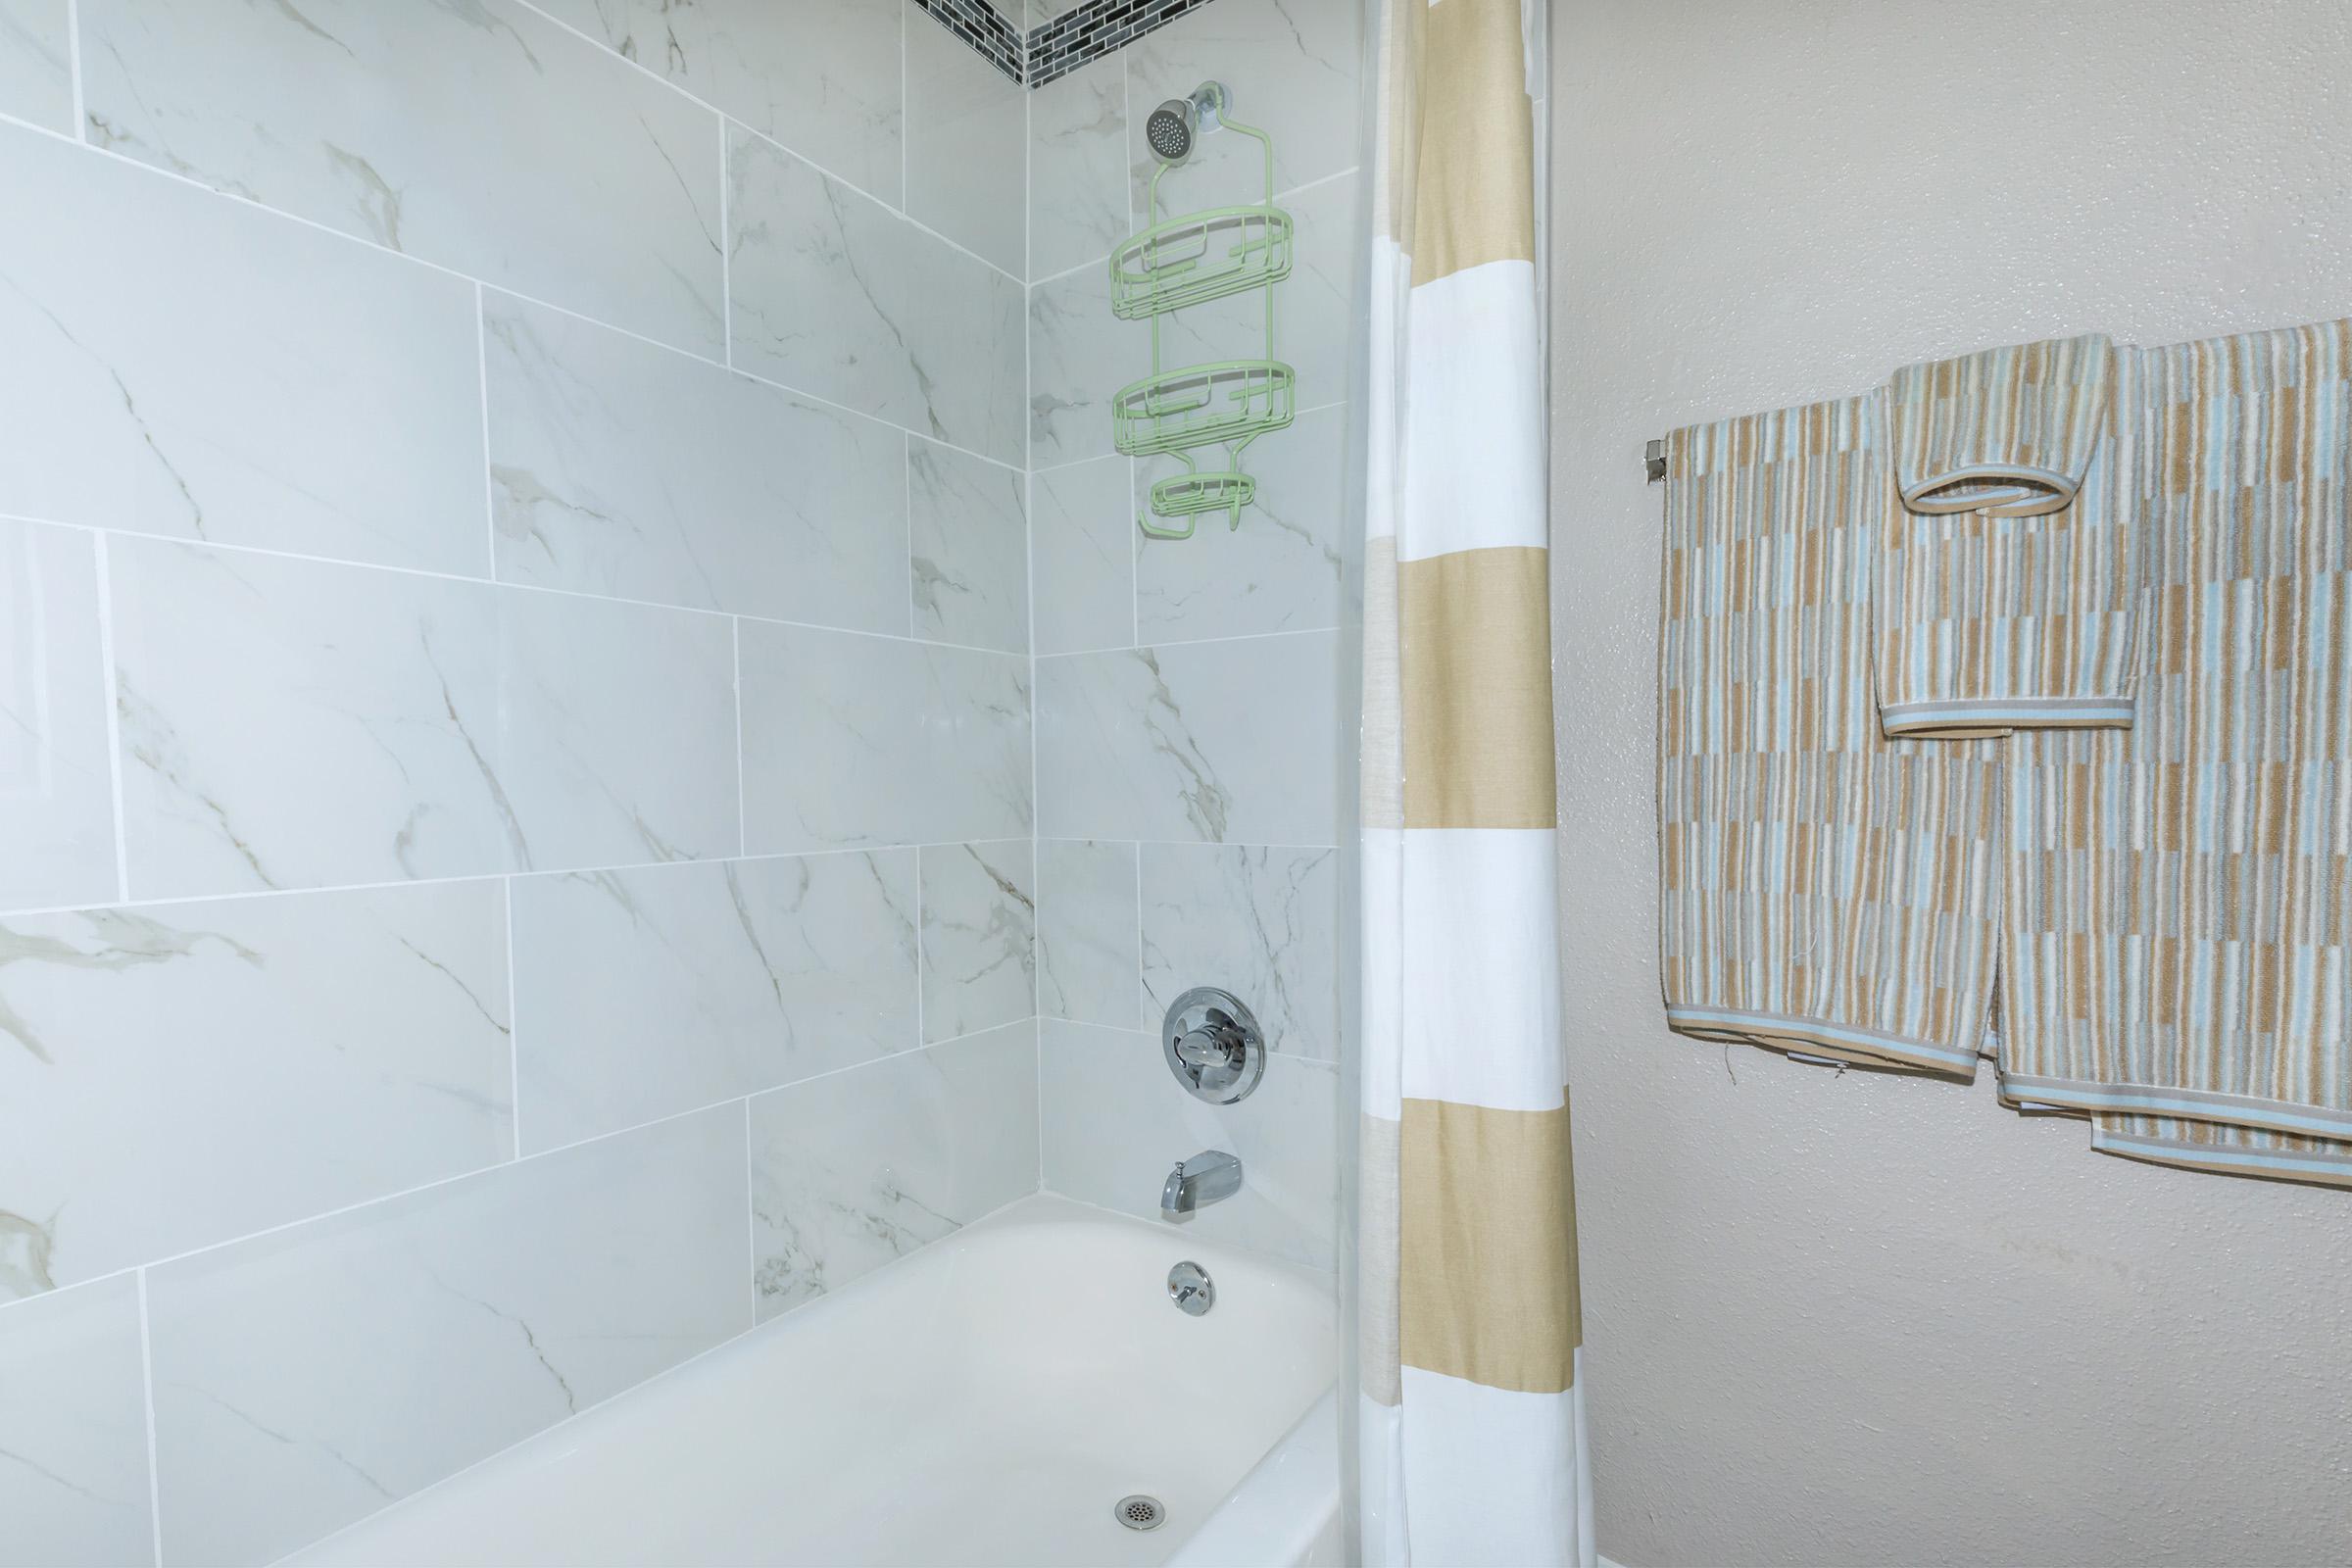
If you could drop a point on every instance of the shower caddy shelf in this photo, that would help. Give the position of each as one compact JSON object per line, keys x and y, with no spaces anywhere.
{"x":1183,"y":260}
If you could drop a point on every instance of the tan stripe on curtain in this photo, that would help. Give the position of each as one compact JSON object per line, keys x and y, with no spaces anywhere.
{"x":1476,"y":195}
{"x":1489,"y":1290}
{"x":1476,"y":677}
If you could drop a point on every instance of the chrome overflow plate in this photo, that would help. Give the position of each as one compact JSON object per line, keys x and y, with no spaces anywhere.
{"x":1190,"y":1288}
{"x":1213,"y":1046}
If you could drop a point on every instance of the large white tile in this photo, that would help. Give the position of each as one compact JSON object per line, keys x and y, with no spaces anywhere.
{"x":970,"y":544}
{"x":1237,"y":742}
{"x":643,"y":993}
{"x":1078,"y":167}
{"x":1262,"y":923}
{"x":306,"y":1378}
{"x":36,"y":68}
{"x":966,"y":138}
{"x":856,"y":741}
{"x":1291,"y":68}
{"x":172,"y":1075}
{"x":178,"y":364}
{"x":821,"y":76}
{"x":837,"y":295}
{"x":1113,"y":1121}
{"x":479,"y":135}
{"x":1087,"y":936}
{"x":1279,"y":571}
{"x":73,"y":1430}
{"x":1079,"y":357}
{"x":289,"y":723}
{"x":850,"y":1171}
{"x":57,"y":812}
{"x":623,"y":468}
{"x":617,"y":730}
{"x":1082,"y":519}
{"x":979,"y":936}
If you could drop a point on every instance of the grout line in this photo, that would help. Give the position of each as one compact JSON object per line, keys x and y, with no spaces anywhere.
{"x":111,"y":675}
{"x":751,"y":1221}
{"x":726,"y":251}
{"x":155,"y":1479}
{"x":898,"y":212}
{"x":1131,"y":504}
{"x":643,"y":69}
{"x":104,"y":531}
{"x":1028,"y":189}
{"x":481,"y":362}
{"x":1037,"y":935}
{"x":905,"y":140}
{"x":717,"y":861}
{"x":743,"y":808}
{"x":1126,"y":141}
{"x":1197,"y":642}
{"x":1138,"y":994}
{"x":495,"y":1167}
{"x":921,"y":903}
{"x":906,"y":482}
{"x":758,"y":858}
{"x":74,"y":66}
{"x":505,"y":888}
{"x":127,"y":161}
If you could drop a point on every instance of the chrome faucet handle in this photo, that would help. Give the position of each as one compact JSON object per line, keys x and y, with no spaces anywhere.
{"x":1213,"y":1046}
{"x":1218,"y":1049}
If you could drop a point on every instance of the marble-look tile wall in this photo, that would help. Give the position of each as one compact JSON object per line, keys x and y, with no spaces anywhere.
{"x":1194,"y":755}
{"x":516,"y":822}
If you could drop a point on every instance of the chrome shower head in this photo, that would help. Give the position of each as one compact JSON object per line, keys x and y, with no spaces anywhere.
{"x":1176,"y":124}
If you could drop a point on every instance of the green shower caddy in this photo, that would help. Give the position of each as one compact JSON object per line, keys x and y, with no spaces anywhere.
{"x":1186,"y":261}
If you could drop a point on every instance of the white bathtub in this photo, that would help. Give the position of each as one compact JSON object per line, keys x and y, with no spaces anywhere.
{"x":985,"y":1401}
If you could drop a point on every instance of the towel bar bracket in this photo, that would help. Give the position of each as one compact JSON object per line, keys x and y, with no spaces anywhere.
{"x":1653,"y":461}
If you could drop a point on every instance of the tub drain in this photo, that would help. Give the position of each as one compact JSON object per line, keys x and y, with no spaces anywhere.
{"x":1140,"y":1512}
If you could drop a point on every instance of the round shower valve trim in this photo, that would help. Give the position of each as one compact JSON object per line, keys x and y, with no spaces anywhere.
{"x":1213,"y":1046}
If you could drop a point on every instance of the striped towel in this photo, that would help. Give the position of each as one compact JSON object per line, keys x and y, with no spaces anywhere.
{"x":2180,"y":943}
{"x":2223,"y":1148}
{"x":2008,"y":574}
{"x":1825,"y":890}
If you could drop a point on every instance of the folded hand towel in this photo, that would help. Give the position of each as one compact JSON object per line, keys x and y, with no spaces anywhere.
{"x":1825,"y":891}
{"x":2008,"y":432}
{"x":2223,"y":1148}
{"x":2008,"y":576}
{"x":2178,"y":943}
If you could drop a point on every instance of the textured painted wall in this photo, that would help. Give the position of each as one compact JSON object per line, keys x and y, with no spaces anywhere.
{"x":1841,"y":1318}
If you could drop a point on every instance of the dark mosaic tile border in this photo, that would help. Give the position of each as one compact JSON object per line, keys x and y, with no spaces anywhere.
{"x":1055,"y":48}
{"x":978,"y":24}
{"x":1094,"y":30}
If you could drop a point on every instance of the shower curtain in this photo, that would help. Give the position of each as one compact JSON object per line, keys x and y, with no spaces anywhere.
{"x":1470,"y":1424}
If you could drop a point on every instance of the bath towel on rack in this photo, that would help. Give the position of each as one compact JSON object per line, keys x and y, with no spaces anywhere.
{"x":2179,"y":947}
{"x":2008,"y":584}
{"x":1825,"y":890}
